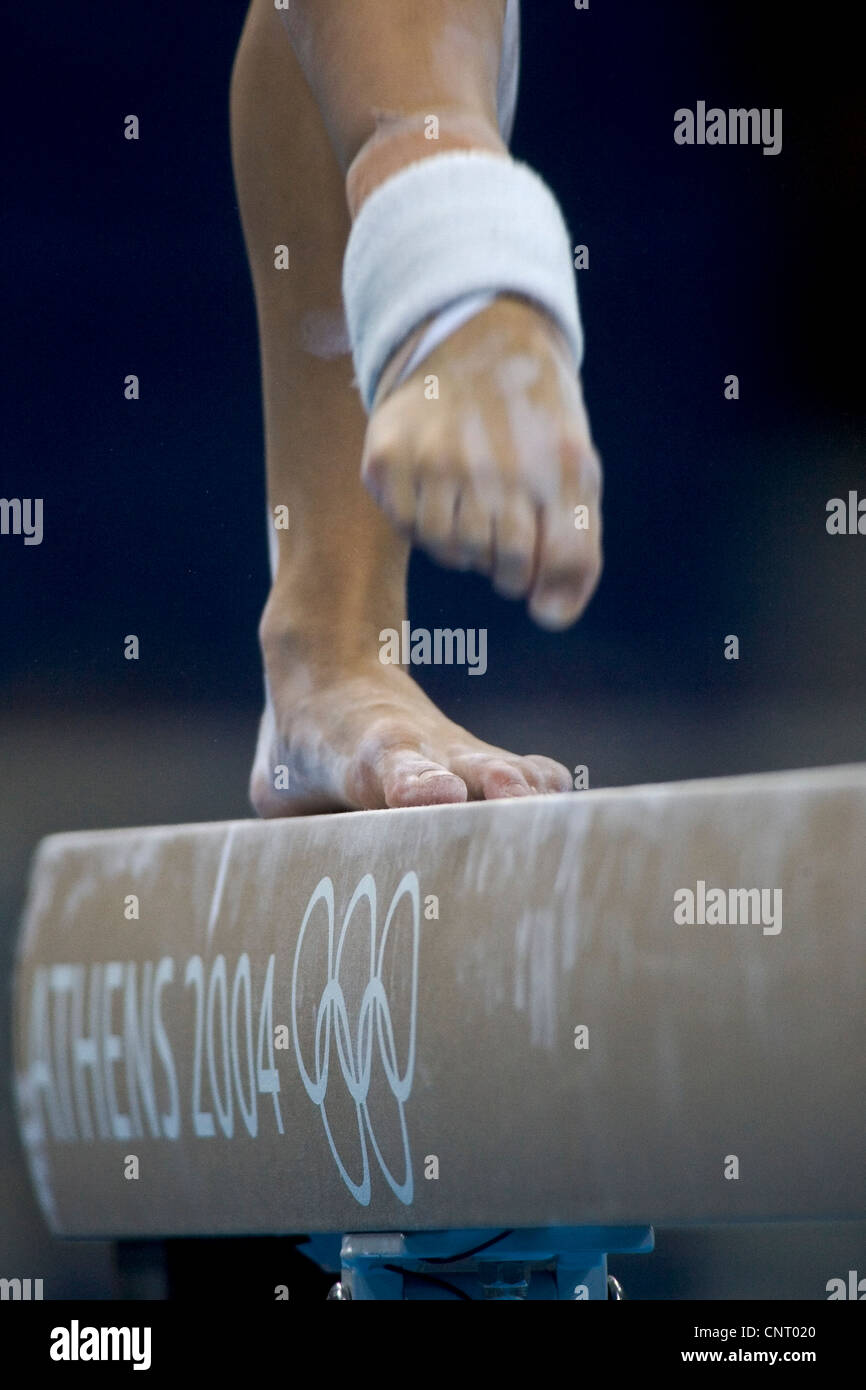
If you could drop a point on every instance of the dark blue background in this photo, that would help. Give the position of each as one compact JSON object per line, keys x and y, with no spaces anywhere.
{"x":128,"y":257}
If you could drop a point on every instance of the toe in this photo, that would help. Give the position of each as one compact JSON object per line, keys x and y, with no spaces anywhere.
{"x":409,"y":779}
{"x":490,"y":778}
{"x":503,"y":779}
{"x":514,"y":547}
{"x":437,"y":503}
{"x":568,"y":568}
{"x":473,"y":533}
{"x":545,"y":775}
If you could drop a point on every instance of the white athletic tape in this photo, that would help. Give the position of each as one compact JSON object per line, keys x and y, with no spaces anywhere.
{"x":443,"y":228}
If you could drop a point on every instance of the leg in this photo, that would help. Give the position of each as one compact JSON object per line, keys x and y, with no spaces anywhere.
{"x":489,"y":478}
{"x":352,"y":731}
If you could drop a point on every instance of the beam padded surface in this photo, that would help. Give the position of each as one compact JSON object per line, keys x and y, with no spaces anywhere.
{"x":615,"y":1007}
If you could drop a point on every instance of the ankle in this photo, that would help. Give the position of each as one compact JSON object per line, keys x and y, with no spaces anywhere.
{"x":330,"y":630}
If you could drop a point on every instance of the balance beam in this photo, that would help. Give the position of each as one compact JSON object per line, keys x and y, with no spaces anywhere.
{"x":611,"y":1008}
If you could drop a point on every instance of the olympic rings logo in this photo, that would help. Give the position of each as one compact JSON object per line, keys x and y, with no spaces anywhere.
{"x":356,"y":1056}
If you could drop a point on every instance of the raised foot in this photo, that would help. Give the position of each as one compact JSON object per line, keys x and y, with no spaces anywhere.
{"x":483,"y":458}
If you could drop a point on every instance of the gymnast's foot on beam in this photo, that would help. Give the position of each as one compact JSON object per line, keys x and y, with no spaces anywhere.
{"x":357,"y":735}
{"x":490,"y":474}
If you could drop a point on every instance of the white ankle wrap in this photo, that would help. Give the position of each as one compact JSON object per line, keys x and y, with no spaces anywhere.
{"x":443,"y":228}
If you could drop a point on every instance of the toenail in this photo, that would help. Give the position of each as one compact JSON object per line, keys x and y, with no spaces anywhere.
{"x":555,"y":607}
